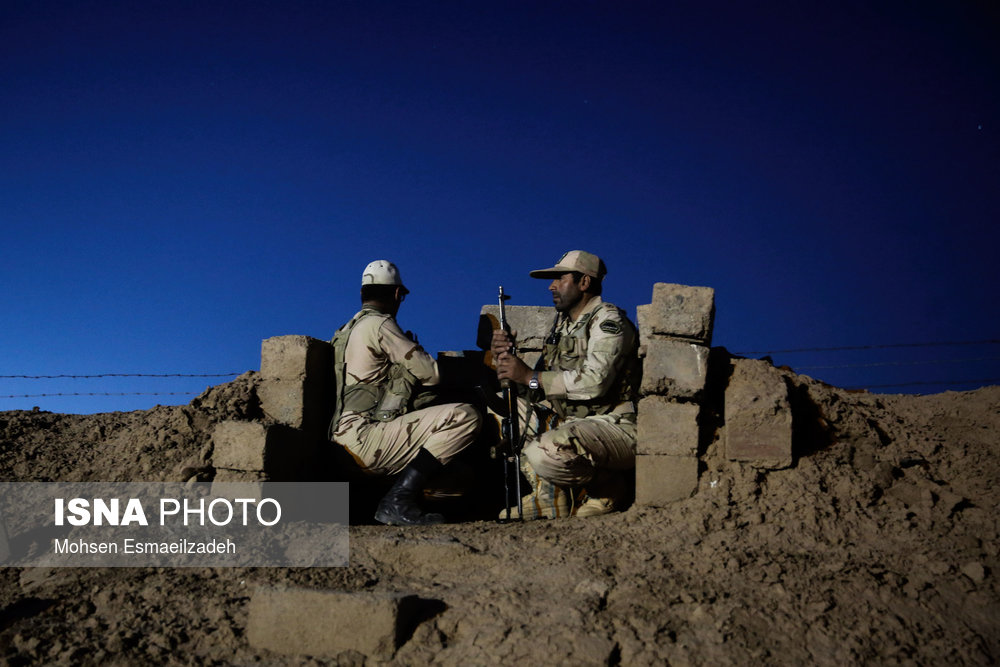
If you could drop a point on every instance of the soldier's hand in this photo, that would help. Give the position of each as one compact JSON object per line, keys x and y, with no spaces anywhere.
{"x":502,"y":342}
{"x":511,"y":368}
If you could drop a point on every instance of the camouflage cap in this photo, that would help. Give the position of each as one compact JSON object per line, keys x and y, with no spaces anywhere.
{"x":574,"y":260}
{"x":382,"y":272}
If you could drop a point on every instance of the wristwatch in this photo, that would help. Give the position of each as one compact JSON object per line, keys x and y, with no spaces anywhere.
{"x":533,"y":382}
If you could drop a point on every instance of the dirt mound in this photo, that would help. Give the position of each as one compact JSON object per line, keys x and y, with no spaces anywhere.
{"x":879,"y":544}
{"x":167,"y":443}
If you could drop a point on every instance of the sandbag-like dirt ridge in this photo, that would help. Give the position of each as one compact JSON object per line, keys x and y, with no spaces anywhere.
{"x":879,"y":545}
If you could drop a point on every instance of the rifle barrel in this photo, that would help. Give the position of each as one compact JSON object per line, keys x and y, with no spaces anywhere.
{"x":511,"y":431}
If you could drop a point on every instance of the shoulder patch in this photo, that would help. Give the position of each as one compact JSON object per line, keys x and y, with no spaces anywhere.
{"x":611,"y":327}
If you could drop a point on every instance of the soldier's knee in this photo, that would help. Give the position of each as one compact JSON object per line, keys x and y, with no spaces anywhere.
{"x":466,"y":416}
{"x":557,"y":463}
{"x":542,"y":464}
{"x":468,"y":413}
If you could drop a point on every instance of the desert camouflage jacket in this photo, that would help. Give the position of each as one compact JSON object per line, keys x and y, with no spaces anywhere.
{"x":377,"y":352}
{"x":591,"y":364}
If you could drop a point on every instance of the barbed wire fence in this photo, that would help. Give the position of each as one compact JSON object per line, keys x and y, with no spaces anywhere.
{"x":67,"y":376}
{"x":985,"y":362}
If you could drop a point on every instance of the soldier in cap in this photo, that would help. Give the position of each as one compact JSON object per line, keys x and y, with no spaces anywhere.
{"x":580,"y":413}
{"x":379,"y":372}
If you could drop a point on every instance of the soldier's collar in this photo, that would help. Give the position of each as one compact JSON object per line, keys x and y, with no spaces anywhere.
{"x":592,"y":305}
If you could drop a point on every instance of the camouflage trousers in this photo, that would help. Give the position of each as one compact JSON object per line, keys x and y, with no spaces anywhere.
{"x":385,"y":448}
{"x":570,"y":451}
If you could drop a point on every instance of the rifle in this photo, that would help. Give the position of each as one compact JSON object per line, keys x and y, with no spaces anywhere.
{"x":510,"y":446}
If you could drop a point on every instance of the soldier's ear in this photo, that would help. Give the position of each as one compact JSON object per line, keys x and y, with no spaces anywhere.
{"x":584,"y":282}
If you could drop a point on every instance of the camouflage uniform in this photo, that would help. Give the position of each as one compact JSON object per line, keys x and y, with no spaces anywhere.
{"x":377,"y":349}
{"x":590,"y":382}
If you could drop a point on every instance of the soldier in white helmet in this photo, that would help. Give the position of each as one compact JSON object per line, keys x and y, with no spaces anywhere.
{"x":379,"y":372}
{"x":587,"y":380}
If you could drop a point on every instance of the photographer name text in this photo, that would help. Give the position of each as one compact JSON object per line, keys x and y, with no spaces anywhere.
{"x":132,"y":546}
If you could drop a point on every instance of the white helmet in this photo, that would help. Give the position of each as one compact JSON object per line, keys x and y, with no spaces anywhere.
{"x":382,"y":272}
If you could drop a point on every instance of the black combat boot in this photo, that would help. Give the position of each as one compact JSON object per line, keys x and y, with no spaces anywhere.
{"x":399,"y":506}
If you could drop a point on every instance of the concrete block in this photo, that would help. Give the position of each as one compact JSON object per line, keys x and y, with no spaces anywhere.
{"x":299,"y":621}
{"x":273,"y":449}
{"x":295,"y":357}
{"x":674,"y":368}
{"x":284,"y":401}
{"x":531,"y":323}
{"x":296,"y":386}
{"x":299,"y":403}
{"x":661,"y":480}
{"x":758,"y":415}
{"x":679,"y":311}
{"x":667,"y":427}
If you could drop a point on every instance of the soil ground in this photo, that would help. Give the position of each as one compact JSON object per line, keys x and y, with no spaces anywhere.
{"x":878,"y":546}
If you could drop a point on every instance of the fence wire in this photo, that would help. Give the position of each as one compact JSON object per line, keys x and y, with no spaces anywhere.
{"x":89,"y":376}
{"x":121,"y":375}
{"x":900,"y":363}
{"x":105,"y":393}
{"x":986,"y":364}
{"x":886,"y":346}
{"x":987,"y":381}
{"x":767,"y":353}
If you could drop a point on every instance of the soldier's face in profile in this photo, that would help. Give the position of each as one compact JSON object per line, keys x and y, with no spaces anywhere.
{"x":565,"y":292}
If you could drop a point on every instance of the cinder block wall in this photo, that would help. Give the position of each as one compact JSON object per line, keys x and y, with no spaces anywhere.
{"x":675,"y":334}
{"x":532,"y":324}
{"x":294,"y":392}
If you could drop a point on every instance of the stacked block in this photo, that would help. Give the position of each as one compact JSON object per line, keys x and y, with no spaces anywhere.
{"x":296,"y":385}
{"x":678,"y":311}
{"x":274,"y":451}
{"x":667,"y":428}
{"x":675,"y":332}
{"x":255,"y":452}
{"x":661,"y":480}
{"x":300,"y":621}
{"x":758,"y":415}
{"x":532,"y":325}
{"x":295,"y":392}
{"x":674,"y":368}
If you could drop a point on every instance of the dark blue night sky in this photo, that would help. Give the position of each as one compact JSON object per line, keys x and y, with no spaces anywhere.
{"x":179,"y":180}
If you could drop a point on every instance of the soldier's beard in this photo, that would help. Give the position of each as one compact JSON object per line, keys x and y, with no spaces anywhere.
{"x":562,"y":304}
